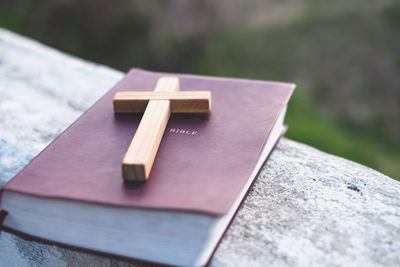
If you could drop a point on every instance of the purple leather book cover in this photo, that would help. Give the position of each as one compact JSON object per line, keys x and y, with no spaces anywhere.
{"x":202,"y":163}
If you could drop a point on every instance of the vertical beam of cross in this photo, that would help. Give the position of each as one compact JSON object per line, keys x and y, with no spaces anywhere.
{"x":141,"y":153}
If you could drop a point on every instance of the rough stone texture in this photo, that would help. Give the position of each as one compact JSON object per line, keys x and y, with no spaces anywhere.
{"x":306,"y":208}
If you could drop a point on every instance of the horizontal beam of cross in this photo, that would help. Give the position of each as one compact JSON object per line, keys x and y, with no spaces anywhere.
{"x":180,"y":101}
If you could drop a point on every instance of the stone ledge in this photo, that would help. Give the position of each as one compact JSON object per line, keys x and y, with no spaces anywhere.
{"x":306,"y":208}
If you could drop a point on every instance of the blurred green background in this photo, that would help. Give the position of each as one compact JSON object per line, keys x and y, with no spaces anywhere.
{"x":344,"y":56}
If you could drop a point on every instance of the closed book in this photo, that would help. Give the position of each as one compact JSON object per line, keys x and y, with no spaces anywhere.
{"x":73,"y":194}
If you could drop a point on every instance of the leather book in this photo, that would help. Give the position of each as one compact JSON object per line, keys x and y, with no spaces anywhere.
{"x":73,"y":194}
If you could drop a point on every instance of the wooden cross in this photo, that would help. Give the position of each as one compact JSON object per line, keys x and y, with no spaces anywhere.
{"x":157,"y":107}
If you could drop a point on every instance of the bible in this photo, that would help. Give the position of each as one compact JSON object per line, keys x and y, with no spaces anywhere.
{"x":72,"y":193}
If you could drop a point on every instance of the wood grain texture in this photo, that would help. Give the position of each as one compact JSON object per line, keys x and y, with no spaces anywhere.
{"x":141,"y":153}
{"x":181,"y":101}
